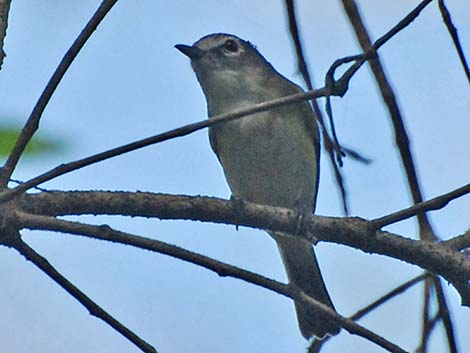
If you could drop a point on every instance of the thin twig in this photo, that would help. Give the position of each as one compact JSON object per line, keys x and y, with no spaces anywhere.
{"x":388,"y":95}
{"x":427,"y":324}
{"x":445,"y":315}
{"x":317,"y":344}
{"x":19,"y":182}
{"x":4,"y":9}
{"x":432,"y":323}
{"x":295,"y":35}
{"x":341,"y":86}
{"x":329,"y":113}
{"x":356,"y":155}
{"x":401,"y":136}
{"x":432,"y":204}
{"x":32,"y":124}
{"x":107,"y":233}
{"x":93,"y":308}
{"x":455,"y":37}
{"x":386,"y":297}
{"x":371,"y":52}
{"x":353,"y":328}
{"x":178,"y":132}
{"x":332,"y":148}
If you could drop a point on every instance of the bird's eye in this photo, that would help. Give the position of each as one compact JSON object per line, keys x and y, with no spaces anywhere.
{"x":231,"y":45}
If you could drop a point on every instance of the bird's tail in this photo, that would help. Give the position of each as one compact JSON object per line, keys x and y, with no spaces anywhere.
{"x":302,"y":270}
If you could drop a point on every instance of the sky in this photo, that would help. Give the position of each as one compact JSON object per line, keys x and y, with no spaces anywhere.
{"x":129,"y":82}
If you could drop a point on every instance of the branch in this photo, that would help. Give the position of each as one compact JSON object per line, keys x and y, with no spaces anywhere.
{"x":356,"y":329}
{"x":332,"y":147}
{"x":295,"y":36}
{"x":4,"y":9}
{"x":401,"y":136}
{"x":178,"y":132}
{"x":93,"y":308}
{"x":32,"y":124}
{"x":388,"y":95}
{"x":222,"y":269}
{"x":455,"y":37}
{"x":105,"y":232}
{"x":371,"y":52}
{"x":317,"y":343}
{"x":428,"y":324}
{"x":432,"y":204}
{"x":353,"y":232}
{"x":444,"y":315}
{"x":460,"y":242}
{"x":386,"y":297}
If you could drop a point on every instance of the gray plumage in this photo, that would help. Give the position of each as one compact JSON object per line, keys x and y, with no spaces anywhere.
{"x":269,"y":158}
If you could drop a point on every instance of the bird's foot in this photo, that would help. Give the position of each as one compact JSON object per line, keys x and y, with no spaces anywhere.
{"x":238,"y":205}
{"x":303,"y":213}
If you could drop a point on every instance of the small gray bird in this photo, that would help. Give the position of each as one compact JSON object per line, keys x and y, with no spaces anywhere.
{"x":269,"y":158}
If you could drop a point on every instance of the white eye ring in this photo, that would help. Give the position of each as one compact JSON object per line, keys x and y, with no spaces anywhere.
{"x":230,"y":46}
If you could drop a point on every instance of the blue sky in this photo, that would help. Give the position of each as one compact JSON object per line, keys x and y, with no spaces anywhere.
{"x":129,"y":82}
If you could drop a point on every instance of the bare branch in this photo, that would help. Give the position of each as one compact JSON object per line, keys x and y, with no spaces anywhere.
{"x":178,"y":132}
{"x":317,"y":344}
{"x":390,"y":295}
{"x":401,"y":136}
{"x":356,"y":329}
{"x":4,"y":9}
{"x":432,"y":204}
{"x":371,"y":52}
{"x":428,"y":324}
{"x":93,"y":308}
{"x":354,"y":232}
{"x":295,"y":35}
{"x":332,"y":147}
{"x":444,"y":315}
{"x":107,"y":233}
{"x":455,"y":37}
{"x":460,"y":242}
{"x":32,"y":124}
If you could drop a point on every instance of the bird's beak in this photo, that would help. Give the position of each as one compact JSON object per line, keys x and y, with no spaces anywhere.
{"x":190,"y":51}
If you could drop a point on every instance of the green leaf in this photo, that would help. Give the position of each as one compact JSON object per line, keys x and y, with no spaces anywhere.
{"x":38,"y":146}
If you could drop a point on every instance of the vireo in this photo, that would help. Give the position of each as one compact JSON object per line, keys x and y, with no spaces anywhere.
{"x":269,"y":158}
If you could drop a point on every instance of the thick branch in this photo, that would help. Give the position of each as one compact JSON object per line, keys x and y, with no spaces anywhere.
{"x":223,"y":269}
{"x":353,"y":232}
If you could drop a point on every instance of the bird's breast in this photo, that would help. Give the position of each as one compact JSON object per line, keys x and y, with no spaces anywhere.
{"x":267,"y":158}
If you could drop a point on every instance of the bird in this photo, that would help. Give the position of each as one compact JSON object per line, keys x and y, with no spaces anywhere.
{"x":269,"y":158}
